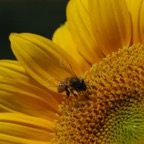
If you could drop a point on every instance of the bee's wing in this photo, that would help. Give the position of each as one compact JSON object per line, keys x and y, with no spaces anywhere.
{"x":52,"y":82}
{"x":66,"y":65}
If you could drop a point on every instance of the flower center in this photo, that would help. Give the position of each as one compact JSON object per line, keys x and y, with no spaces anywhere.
{"x":112,"y":108}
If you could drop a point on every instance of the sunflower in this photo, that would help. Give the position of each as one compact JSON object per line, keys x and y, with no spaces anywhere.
{"x":102,"y":43}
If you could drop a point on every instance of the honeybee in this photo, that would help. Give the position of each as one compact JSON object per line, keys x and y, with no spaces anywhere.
{"x":70,"y":85}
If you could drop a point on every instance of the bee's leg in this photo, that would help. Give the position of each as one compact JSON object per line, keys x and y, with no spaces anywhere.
{"x":67,"y":91}
{"x":71,"y":90}
{"x":77,"y":89}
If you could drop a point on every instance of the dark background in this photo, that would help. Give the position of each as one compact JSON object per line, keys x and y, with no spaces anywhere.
{"x":35,"y":16}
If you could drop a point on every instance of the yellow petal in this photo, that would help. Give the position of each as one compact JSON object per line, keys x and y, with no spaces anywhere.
{"x":12,"y":69}
{"x":19,"y":96}
{"x":7,"y":139}
{"x":110,"y":23}
{"x":136,"y":8}
{"x":142,"y":24}
{"x":81,"y":32}
{"x":42,"y":59}
{"x":62,"y":37}
{"x":23,"y":129}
